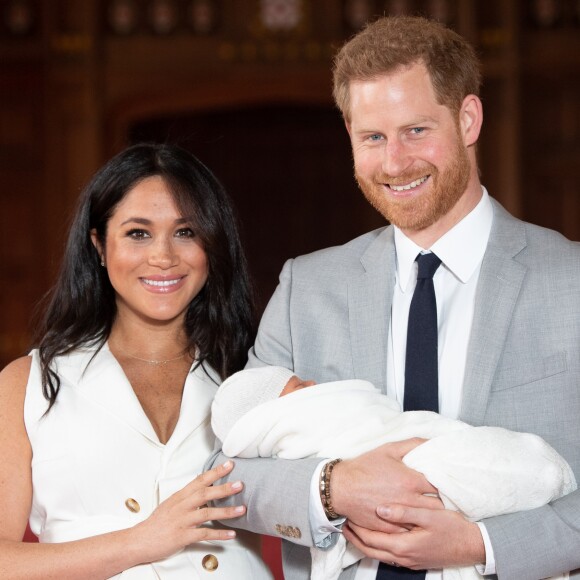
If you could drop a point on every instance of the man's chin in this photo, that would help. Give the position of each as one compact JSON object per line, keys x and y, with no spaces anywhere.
{"x":407,"y":214}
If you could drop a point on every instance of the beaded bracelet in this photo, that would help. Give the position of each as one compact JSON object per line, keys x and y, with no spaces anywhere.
{"x":325,"y":489}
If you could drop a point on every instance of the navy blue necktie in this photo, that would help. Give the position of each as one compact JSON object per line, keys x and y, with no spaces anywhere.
{"x":421,"y":362}
{"x":421,"y":368}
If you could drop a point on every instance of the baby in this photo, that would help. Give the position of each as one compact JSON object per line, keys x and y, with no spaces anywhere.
{"x":479,"y":471}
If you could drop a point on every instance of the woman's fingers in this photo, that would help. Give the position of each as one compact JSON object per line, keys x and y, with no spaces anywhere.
{"x":215,"y":474}
{"x":201,"y":490}
{"x":208,"y":494}
{"x":199,"y":493}
{"x":211,"y":534}
{"x":208,"y":514}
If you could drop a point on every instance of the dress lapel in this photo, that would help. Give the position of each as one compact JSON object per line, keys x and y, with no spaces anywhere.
{"x":198,"y":394}
{"x":499,"y":285}
{"x":370,"y":296}
{"x":101,"y":380}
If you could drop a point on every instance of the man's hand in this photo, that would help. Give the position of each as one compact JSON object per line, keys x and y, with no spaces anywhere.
{"x":379,"y":477}
{"x":432,"y":539}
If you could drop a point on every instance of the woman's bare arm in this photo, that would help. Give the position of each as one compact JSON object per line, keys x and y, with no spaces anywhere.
{"x":176,"y":523}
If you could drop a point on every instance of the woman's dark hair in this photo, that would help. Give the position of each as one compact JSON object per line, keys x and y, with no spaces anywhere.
{"x":220,"y":320}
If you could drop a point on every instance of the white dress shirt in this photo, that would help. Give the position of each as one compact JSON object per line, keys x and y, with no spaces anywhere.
{"x":461,"y":251}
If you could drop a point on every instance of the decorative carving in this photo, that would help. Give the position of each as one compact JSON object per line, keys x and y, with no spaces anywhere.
{"x":546,"y":13}
{"x":280,"y":15}
{"x":122,"y":16}
{"x":358,"y":12}
{"x":19,"y":17}
{"x":162,"y":16}
{"x":440,"y":10}
{"x":72,"y":45}
{"x":398,"y":7}
{"x":202,"y":16}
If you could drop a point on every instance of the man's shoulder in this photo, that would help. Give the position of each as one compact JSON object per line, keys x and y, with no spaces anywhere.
{"x":550,"y":246}
{"x":345,"y":255}
{"x":531,"y":241}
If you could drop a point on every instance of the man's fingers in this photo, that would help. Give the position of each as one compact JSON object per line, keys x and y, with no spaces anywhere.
{"x":404,"y":515}
{"x":368,"y":550}
{"x":401,"y":448}
{"x":429,"y":502}
{"x":389,"y":548}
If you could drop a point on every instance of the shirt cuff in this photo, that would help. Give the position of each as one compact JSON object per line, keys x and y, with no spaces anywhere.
{"x":321,"y":527}
{"x":489,"y":567}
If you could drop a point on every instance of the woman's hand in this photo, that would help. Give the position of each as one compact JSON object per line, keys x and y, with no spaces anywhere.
{"x":178,"y":521}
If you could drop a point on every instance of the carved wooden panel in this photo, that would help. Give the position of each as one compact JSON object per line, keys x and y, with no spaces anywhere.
{"x":76,"y":76}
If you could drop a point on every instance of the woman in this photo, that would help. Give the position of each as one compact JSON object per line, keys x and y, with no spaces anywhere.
{"x":106,"y":425}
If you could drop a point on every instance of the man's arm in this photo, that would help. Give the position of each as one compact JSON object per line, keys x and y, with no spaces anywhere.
{"x":523,"y":549}
{"x":432,"y":539}
{"x":539,"y":543}
{"x":277,"y":491}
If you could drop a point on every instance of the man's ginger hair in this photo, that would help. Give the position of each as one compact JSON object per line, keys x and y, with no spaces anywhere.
{"x":395,"y":42}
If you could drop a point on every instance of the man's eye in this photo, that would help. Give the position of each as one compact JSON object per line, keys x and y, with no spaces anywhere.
{"x":417,"y":130}
{"x":375,"y":137}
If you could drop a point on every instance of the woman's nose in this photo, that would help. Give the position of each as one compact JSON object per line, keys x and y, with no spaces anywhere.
{"x":163,"y":254}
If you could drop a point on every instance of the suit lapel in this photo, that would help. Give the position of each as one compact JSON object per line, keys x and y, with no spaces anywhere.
{"x":370,"y":295}
{"x":499,"y":285}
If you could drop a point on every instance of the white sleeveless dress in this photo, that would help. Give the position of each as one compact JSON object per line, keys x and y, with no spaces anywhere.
{"x":98,"y":465}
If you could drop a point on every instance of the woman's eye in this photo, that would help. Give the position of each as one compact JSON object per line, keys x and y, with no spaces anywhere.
{"x":137,"y":234}
{"x":185,"y":233}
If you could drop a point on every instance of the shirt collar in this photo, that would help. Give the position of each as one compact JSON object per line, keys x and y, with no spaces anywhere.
{"x":461,"y":249}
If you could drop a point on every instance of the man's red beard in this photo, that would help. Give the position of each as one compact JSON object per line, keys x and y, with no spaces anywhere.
{"x":417,"y":213}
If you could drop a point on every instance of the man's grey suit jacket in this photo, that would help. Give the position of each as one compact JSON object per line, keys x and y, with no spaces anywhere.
{"x":329,"y":319}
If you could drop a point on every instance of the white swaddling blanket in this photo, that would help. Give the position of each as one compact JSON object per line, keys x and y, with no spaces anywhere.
{"x":481,"y":471}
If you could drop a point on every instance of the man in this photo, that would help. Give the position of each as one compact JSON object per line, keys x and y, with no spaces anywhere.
{"x":506,"y":334}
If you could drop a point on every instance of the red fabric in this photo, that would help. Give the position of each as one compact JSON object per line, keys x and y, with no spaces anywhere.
{"x":29,"y":536}
{"x":272,"y":554}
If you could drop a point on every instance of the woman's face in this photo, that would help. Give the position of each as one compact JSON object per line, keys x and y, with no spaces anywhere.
{"x":156,"y":263}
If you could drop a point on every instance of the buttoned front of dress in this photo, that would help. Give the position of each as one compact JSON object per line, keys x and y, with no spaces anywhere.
{"x":98,"y":465}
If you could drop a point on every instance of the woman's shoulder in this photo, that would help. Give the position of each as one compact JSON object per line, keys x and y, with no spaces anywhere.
{"x":13,"y":381}
{"x":16,"y":371}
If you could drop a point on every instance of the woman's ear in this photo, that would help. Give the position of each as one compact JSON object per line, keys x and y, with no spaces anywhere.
{"x":98,"y":246}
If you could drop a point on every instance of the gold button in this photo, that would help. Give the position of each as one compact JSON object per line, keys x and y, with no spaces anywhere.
{"x":210,"y":563}
{"x":133,"y":505}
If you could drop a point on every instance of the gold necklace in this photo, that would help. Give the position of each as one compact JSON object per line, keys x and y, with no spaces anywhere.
{"x":155,"y":362}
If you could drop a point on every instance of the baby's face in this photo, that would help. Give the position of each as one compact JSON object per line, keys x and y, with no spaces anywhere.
{"x":295,"y":384}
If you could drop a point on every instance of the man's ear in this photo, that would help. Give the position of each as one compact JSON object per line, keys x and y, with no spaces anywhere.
{"x":347,"y":125}
{"x":97,"y":244}
{"x":470,"y":119}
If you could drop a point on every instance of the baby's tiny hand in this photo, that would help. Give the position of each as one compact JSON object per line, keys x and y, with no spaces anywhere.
{"x":295,"y":384}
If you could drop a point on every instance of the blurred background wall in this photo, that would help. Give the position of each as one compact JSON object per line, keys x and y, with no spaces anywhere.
{"x":245,"y":84}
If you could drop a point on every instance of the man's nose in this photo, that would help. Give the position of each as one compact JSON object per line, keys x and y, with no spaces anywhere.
{"x":396,"y":158}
